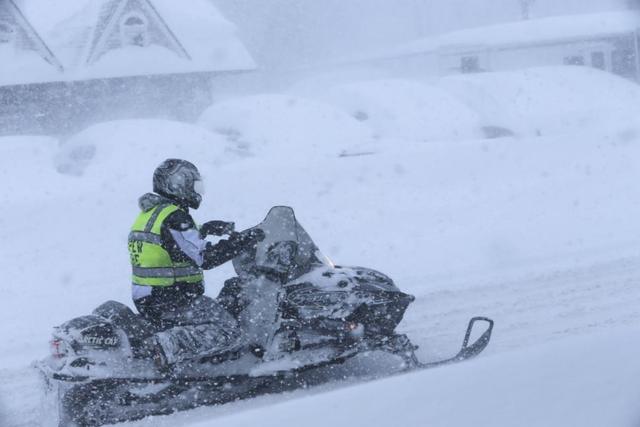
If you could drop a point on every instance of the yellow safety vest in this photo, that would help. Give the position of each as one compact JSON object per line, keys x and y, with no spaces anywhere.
{"x":150,"y":261}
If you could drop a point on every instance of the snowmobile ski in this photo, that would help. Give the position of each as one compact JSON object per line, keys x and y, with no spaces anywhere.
{"x":466,"y":351}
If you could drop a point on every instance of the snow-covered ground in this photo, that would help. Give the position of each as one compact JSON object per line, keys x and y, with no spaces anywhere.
{"x":539,"y":233}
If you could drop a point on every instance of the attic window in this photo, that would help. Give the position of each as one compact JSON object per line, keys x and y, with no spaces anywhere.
{"x":134,"y":30}
{"x":6,"y":33}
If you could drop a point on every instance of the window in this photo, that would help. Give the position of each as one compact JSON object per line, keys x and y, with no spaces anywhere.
{"x":623,"y":62}
{"x":134,"y":30}
{"x":6,"y":33}
{"x":574,"y":60}
{"x":598,"y":61}
{"x":470,"y":64}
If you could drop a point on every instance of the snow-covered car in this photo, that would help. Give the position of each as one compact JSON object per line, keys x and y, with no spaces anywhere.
{"x":276,"y":125}
{"x":115,"y":150}
{"x":406,"y":109}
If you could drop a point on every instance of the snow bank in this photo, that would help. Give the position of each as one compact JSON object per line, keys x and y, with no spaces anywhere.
{"x":569,"y":383}
{"x":548,"y":100}
{"x":284,"y":126}
{"x":406,"y":109}
{"x":118,"y":152}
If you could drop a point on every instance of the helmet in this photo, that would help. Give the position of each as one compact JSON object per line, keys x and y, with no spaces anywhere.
{"x":179,"y":180}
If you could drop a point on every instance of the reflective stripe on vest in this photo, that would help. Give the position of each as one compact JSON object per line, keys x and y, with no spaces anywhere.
{"x":146,"y":272}
{"x":141,"y":236}
{"x":151,"y":263}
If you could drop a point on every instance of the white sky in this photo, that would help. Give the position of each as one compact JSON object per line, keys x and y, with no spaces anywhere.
{"x":284,"y":32}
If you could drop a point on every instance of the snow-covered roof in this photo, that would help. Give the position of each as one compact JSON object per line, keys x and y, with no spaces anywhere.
{"x":195,"y":38}
{"x":19,"y":67}
{"x":24,"y":55}
{"x":523,"y":33}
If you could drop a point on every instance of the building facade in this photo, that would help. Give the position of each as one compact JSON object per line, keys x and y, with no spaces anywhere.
{"x":608,"y":41}
{"x":97,"y":60}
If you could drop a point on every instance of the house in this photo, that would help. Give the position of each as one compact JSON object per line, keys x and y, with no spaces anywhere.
{"x":83,"y":61}
{"x":608,"y":41}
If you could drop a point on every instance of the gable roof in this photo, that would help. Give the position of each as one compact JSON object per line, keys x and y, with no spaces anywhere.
{"x":85,"y":36}
{"x":112,"y":15}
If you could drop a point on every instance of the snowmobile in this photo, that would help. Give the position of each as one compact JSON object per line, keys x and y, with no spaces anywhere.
{"x":301,"y":313}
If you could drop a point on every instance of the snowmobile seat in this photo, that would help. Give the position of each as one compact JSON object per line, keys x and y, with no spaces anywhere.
{"x":122,"y":317}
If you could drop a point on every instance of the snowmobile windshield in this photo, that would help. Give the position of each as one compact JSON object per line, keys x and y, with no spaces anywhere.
{"x":287,"y":248}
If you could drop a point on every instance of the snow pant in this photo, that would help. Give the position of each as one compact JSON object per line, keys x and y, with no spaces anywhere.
{"x":194,"y":330}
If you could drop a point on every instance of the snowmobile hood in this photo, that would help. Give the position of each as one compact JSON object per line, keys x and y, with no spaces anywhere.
{"x":151,"y":200}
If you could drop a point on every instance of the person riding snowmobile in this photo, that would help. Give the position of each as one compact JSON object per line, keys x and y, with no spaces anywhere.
{"x":168,"y":253}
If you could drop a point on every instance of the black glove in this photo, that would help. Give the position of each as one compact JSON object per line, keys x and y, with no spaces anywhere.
{"x":247,"y":238}
{"x":227,"y":249}
{"x":256,"y":234}
{"x":216,"y":228}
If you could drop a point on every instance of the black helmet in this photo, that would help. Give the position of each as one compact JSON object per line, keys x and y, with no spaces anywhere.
{"x":179,"y":181}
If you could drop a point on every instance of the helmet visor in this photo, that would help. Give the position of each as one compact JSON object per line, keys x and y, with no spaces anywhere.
{"x":198,"y":187}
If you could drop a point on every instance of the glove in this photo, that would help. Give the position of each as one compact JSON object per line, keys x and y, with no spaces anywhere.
{"x":216,"y":228}
{"x":256,"y":234}
{"x":247,"y":238}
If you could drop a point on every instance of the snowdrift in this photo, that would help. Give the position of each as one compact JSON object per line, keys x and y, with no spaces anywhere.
{"x":548,"y":100}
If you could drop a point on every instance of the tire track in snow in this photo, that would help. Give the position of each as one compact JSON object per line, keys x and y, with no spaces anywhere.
{"x":530,"y":310}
